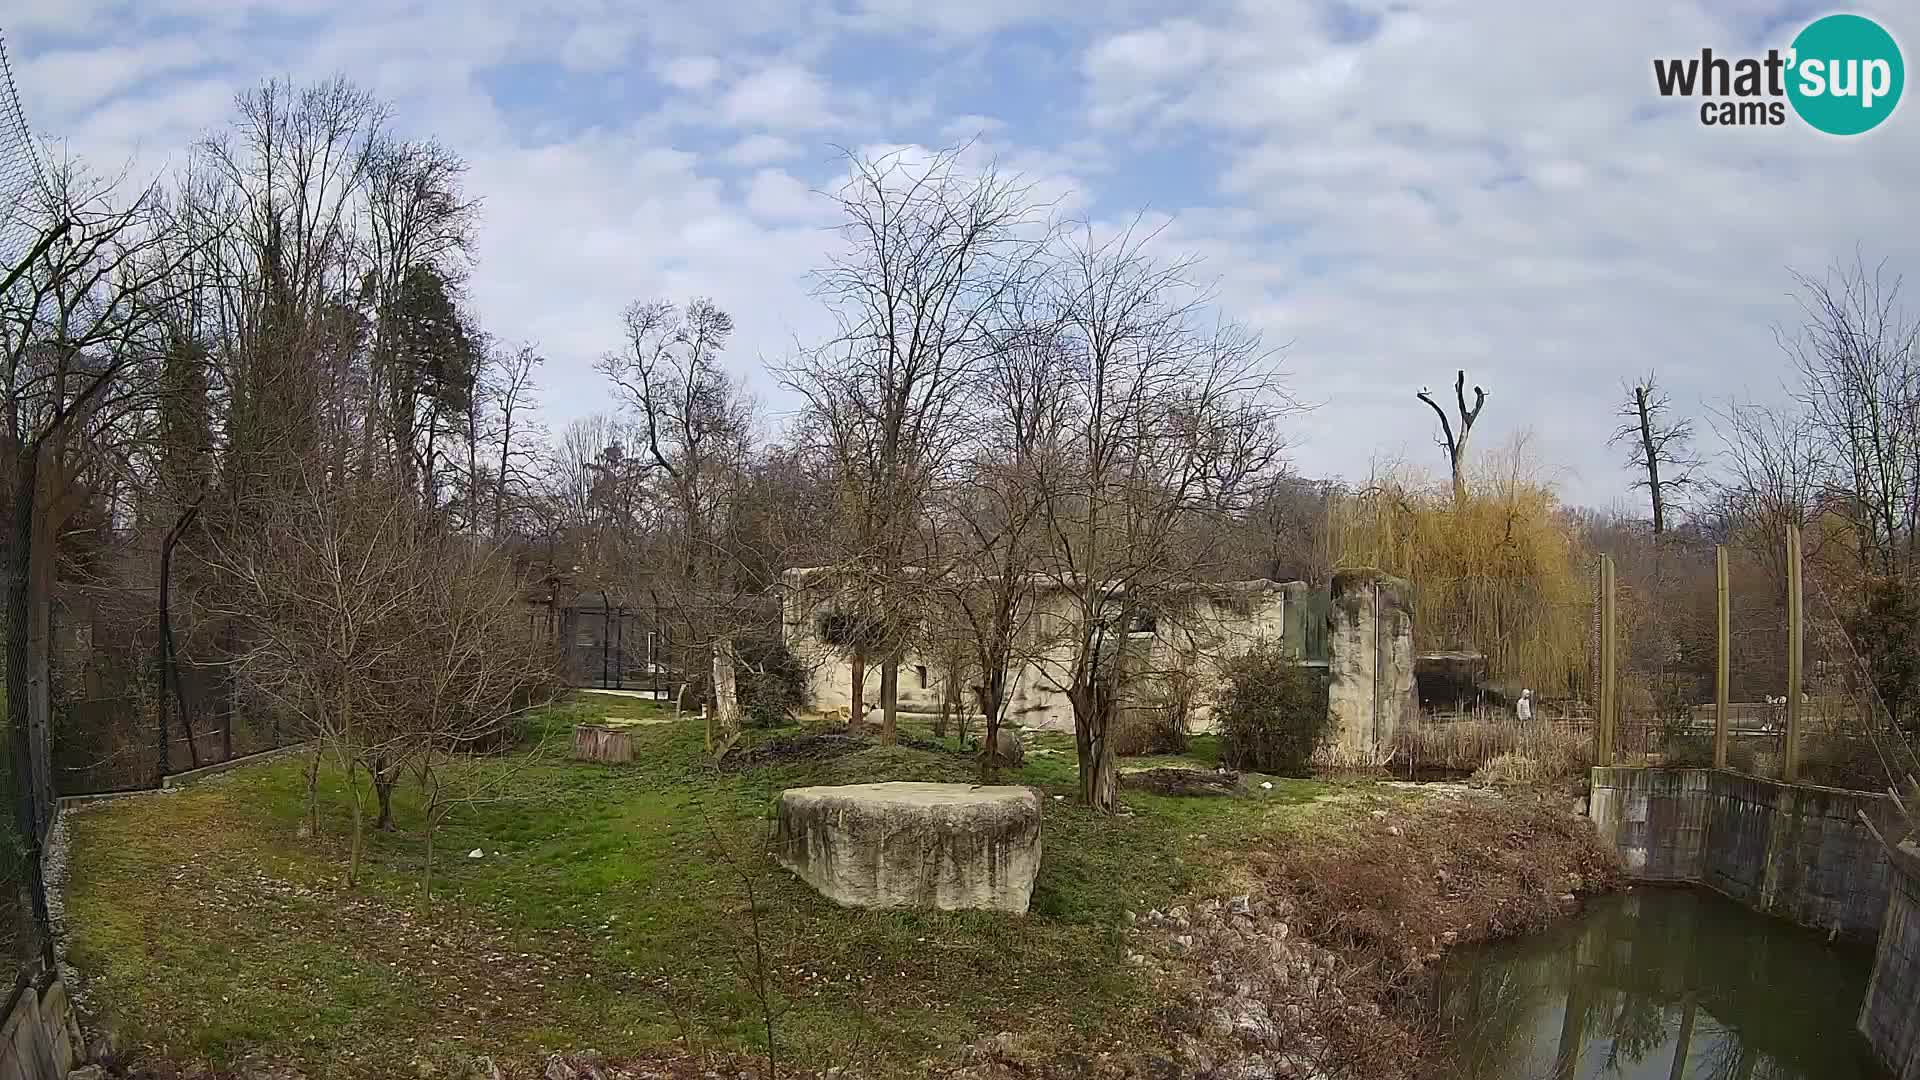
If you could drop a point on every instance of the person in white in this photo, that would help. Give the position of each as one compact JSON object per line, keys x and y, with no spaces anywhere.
{"x":1524,"y":707}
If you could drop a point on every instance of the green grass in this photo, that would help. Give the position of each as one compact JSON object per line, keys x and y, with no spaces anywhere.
{"x":603,"y":913}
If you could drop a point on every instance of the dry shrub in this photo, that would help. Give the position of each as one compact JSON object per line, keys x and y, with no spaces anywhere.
{"x":1148,"y":731}
{"x":1482,"y":868}
{"x":1510,"y":769}
{"x":1467,"y":745}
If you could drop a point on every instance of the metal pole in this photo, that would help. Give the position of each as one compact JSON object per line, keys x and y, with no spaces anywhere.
{"x":620,"y":649}
{"x":1794,"y":629}
{"x":606,"y":633}
{"x":1722,"y":604}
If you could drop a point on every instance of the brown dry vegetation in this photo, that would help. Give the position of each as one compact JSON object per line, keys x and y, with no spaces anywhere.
{"x":1397,"y":887}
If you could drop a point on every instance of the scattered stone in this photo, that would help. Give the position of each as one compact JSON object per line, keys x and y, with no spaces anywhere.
{"x":1240,"y":905}
{"x":476,"y":853}
{"x":88,"y":1072}
{"x":1266,"y":785}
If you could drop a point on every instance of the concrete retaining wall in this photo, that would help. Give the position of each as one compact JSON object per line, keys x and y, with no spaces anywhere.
{"x":38,"y":1037}
{"x":1790,"y":850}
{"x":1890,"y":1013}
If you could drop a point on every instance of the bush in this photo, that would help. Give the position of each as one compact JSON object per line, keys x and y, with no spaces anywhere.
{"x":772,"y":682}
{"x":768,"y":677}
{"x":1272,"y":713}
{"x":1149,"y":730}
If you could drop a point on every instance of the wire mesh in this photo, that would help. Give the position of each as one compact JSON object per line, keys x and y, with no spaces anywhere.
{"x":19,"y":170}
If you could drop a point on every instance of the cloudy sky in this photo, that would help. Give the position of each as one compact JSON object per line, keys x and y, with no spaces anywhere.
{"x":1391,"y":190}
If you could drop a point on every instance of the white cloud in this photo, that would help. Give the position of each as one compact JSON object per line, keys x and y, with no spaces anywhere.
{"x":779,"y":96}
{"x":690,"y":72}
{"x":760,"y":149}
{"x":775,"y":195}
{"x":1433,"y":185}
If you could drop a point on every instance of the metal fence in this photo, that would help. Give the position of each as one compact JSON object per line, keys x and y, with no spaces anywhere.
{"x":1727,"y":657}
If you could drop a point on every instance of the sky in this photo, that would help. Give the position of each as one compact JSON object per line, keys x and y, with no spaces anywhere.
{"x":1387,"y":191}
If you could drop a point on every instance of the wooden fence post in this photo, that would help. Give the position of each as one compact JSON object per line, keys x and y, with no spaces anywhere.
{"x":1791,"y":770}
{"x":1609,"y":686}
{"x":1722,"y":621}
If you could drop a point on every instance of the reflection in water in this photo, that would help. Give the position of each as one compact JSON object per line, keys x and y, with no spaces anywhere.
{"x":1660,"y":984}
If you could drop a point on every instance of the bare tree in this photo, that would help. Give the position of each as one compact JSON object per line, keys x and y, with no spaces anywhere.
{"x":1455,"y":444}
{"x":1168,"y":423}
{"x":391,"y":642}
{"x":695,"y":425}
{"x":1773,"y":467}
{"x":931,"y":251}
{"x":1659,"y":445}
{"x":81,"y":333}
{"x":1857,"y":357}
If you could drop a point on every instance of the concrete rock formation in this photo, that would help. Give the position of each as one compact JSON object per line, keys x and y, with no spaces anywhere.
{"x":1370,"y":662}
{"x":946,"y":846}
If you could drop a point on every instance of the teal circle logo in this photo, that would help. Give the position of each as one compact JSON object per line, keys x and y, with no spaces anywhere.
{"x":1846,"y":74}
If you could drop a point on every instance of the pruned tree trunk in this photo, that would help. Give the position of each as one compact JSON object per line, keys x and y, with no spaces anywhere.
{"x":383,"y":780}
{"x":992,"y":700}
{"x":889,"y":700}
{"x":857,"y":701}
{"x":1093,"y":709}
{"x":1651,"y":452}
{"x":313,"y":793}
{"x":949,"y":699}
{"x":726,"y":697}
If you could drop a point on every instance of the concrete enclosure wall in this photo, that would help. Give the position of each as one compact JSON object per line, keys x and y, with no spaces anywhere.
{"x":1193,"y":629}
{"x":38,"y":1038}
{"x":1370,"y":691}
{"x":1794,"y":851}
{"x":1890,"y":1013}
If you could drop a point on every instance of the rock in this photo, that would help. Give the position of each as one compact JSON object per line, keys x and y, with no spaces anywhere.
{"x":476,"y":853}
{"x":1240,"y":905}
{"x":1216,"y":1024}
{"x":1181,"y":945}
{"x":1008,"y":751}
{"x":558,"y":1069}
{"x":945,"y":846}
{"x":88,"y":1072}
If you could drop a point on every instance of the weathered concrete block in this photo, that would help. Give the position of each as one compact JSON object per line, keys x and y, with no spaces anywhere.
{"x":945,"y":846}
{"x":1369,"y":663}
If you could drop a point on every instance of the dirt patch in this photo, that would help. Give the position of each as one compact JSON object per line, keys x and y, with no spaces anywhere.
{"x":1183,"y":782}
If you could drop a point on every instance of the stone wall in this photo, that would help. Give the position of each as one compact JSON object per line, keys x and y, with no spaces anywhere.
{"x":1196,"y":627}
{"x":1795,"y":851}
{"x":1889,"y":1015}
{"x":38,"y":1037}
{"x":1370,"y":691}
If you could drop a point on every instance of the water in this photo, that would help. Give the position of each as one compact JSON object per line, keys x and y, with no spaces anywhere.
{"x":1660,"y":984}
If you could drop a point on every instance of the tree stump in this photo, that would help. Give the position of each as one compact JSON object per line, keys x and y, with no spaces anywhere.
{"x":597,"y":742}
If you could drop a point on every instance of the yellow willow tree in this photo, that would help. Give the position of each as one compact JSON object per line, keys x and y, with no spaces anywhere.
{"x":1496,"y":570}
